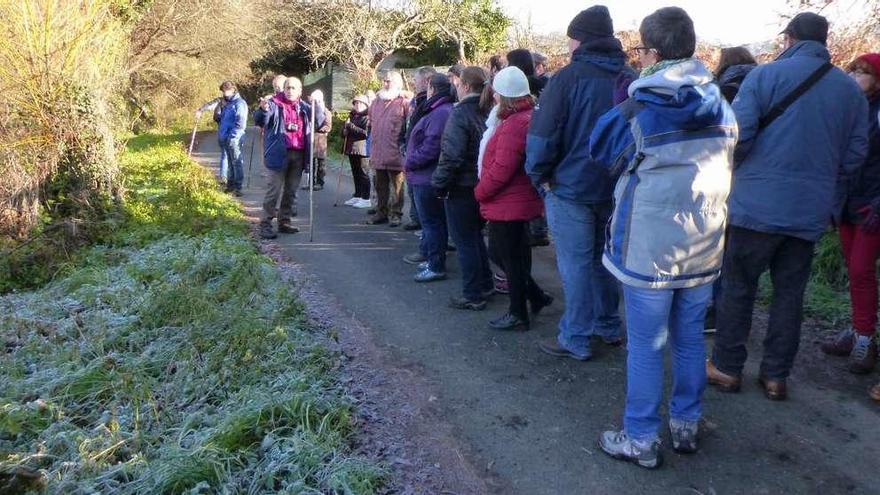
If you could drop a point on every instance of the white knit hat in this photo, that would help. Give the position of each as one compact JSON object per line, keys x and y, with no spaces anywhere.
{"x":511,"y":82}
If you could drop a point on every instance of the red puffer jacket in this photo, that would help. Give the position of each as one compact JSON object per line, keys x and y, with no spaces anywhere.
{"x":505,"y":192}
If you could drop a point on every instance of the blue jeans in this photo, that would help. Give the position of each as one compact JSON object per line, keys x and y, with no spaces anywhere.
{"x":591,"y":296}
{"x":432,"y":216}
{"x":232,"y":146}
{"x":653,"y":317}
{"x":465,"y":227}
{"x":224,"y":164}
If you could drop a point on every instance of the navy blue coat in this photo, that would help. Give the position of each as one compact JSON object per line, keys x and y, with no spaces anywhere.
{"x":786,"y":176}
{"x":274,"y":140}
{"x":558,"y":143}
{"x":233,"y":118}
{"x":864,"y":186}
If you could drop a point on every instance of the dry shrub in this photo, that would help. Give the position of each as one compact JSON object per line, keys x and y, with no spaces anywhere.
{"x":59,"y":63}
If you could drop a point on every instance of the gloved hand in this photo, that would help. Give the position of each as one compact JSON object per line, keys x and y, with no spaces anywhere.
{"x":871,"y":224}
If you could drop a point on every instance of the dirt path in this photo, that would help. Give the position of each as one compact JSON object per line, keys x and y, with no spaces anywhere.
{"x":457,"y":408}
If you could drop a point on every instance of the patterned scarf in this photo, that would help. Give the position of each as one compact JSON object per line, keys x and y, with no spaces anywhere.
{"x":661,"y":65}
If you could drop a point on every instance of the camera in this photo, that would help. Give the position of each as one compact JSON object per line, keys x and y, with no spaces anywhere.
{"x":292,"y":127}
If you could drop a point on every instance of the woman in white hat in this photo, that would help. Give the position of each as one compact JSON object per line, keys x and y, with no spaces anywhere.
{"x":509,"y":201}
{"x":356,"y":131}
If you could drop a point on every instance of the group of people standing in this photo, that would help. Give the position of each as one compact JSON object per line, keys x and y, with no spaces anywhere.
{"x":675,"y":186}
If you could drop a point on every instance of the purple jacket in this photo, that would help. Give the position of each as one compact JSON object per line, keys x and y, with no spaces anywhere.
{"x":423,"y":147}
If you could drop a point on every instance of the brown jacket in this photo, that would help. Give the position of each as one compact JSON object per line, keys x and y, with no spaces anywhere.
{"x":321,"y":132}
{"x":387,"y":117}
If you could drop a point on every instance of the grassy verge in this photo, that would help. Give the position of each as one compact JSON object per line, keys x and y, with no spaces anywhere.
{"x":172,"y":359}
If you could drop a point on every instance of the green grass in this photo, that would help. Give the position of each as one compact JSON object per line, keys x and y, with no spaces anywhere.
{"x":171,"y":359}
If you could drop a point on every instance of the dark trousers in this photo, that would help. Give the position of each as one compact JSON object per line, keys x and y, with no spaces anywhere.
{"x":413,"y":207}
{"x":319,"y":168}
{"x":282,"y":185}
{"x":432,"y":216}
{"x":748,"y":254}
{"x":466,"y":230}
{"x":359,"y":165}
{"x":509,"y":244}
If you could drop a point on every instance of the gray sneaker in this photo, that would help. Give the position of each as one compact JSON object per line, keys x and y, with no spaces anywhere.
{"x":684,"y":435}
{"x":427,"y":275}
{"x":619,"y":446}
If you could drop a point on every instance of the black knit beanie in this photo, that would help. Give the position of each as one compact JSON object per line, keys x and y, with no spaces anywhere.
{"x":591,"y":24}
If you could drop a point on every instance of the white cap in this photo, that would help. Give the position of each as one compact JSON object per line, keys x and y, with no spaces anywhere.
{"x":511,"y":82}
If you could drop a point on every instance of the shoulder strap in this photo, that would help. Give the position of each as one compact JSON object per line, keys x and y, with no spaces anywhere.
{"x":790,"y":98}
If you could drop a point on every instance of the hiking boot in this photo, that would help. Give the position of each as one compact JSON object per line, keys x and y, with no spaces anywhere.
{"x":266,"y":230}
{"x":286,"y":228}
{"x":864,"y":355}
{"x":377,"y":220}
{"x":619,"y":446}
{"x":874,"y":392}
{"x":509,"y":322}
{"x":553,"y":348}
{"x":394,"y":222}
{"x":840,"y":344}
{"x":427,"y":275}
{"x":684,"y":435}
{"x":414,"y":259}
{"x":721,"y":381}
{"x":412,"y":226}
{"x":547,"y":300}
{"x":773,"y":389}
{"x":465,"y":303}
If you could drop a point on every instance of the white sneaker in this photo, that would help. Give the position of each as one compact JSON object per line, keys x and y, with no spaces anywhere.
{"x":352,"y":201}
{"x":363,"y":204}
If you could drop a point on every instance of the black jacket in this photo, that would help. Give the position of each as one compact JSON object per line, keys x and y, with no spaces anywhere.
{"x":864,"y":186}
{"x":460,"y":146}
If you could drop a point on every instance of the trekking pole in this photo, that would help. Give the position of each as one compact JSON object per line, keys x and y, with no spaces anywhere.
{"x":339,"y":173}
{"x":192,"y":139}
{"x":251,"y":163}
{"x":311,"y":175}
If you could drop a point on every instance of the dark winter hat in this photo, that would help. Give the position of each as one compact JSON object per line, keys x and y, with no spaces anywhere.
{"x":441,"y":84}
{"x":808,"y":26}
{"x":591,"y":24}
{"x":522,"y":59}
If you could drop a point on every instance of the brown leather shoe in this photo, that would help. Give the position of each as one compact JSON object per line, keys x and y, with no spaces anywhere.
{"x":874,"y":392}
{"x":839,"y":344}
{"x":722,"y":381}
{"x":773,"y":389}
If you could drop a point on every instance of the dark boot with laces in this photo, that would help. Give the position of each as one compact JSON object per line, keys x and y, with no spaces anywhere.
{"x":864,"y":355}
{"x":840,"y":344}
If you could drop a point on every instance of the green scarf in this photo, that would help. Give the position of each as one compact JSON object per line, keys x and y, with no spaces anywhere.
{"x":663,"y":64}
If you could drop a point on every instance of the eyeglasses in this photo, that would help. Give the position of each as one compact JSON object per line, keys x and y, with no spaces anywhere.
{"x":641,"y":49}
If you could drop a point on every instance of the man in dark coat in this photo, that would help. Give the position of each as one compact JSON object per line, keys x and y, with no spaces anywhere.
{"x":576,"y":190}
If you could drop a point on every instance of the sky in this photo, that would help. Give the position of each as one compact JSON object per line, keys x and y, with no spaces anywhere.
{"x":727,"y":23}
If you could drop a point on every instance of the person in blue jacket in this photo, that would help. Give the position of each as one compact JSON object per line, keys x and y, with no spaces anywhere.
{"x":785,"y":193}
{"x":286,"y":122}
{"x":576,"y":190}
{"x":233,"y":123}
{"x":672,"y":145}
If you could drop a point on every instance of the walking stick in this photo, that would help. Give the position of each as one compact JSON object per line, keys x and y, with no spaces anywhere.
{"x":339,"y":174}
{"x":251,"y":163}
{"x":192,"y":139}
{"x":312,"y":175}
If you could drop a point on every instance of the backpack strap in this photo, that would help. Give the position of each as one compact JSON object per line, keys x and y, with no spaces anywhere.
{"x":790,"y":98}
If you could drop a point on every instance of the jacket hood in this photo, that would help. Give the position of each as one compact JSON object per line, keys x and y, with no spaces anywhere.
{"x":806,"y":49}
{"x":735,"y":72}
{"x":683,"y":93}
{"x":605,"y":53}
